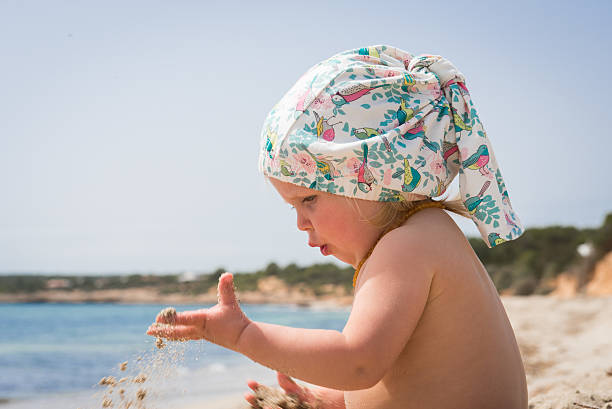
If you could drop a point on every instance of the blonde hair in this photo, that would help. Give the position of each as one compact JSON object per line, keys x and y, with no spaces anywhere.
{"x":394,"y":214}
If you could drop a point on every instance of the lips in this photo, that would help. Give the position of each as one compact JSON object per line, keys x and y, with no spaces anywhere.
{"x":324,"y":250}
{"x":322,"y":247}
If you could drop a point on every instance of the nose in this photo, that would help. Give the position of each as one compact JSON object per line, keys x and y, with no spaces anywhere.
{"x":303,"y":223}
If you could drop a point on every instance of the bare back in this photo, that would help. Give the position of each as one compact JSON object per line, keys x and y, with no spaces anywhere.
{"x":462,"y":353}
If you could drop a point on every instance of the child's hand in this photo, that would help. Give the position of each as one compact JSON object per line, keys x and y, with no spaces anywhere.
{"x":221,"y":324}
{"x":302,"y":393}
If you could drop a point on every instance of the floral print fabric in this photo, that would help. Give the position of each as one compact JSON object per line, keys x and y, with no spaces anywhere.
{"x":377,"y":122}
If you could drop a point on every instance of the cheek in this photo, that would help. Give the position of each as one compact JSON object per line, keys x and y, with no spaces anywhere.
{"x":340,"y":225}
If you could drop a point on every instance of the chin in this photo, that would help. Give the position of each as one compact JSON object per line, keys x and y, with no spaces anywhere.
{"x":343,"y":259}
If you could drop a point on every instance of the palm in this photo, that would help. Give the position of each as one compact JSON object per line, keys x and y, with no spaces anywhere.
{"x":221,"y":324}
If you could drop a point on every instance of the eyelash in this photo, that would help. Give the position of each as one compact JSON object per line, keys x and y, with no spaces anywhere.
{"x":307,"y":199}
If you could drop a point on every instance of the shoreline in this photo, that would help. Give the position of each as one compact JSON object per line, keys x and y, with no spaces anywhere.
{"x":151,"y":296}
{"x":565,"y":343}
{"x":296,"y":297}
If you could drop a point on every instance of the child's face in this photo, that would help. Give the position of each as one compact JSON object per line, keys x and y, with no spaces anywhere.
{"x":333,"y":223}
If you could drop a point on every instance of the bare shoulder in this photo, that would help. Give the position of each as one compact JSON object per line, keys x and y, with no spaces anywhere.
{"x":429,"y":236}
{"x":419,"y":249}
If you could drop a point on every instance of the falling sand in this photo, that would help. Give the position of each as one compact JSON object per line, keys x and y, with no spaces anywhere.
{"x":148,"y":372}
{"x":168,"y":315}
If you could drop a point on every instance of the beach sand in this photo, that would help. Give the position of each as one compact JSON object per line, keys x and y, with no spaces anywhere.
{"x":566,"y":346}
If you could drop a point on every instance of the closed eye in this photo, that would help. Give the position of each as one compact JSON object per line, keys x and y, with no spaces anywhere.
{"x":309,"y":198}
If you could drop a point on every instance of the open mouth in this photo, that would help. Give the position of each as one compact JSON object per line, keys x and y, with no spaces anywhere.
{"x":324,"y":250}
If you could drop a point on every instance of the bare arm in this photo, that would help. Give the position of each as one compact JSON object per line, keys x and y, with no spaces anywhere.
{"x":390,"y":299}
{"x":355,"y":359}
{"x":322,"y":357}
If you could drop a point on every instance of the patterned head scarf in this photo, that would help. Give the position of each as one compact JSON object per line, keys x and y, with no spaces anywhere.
{"x":379,"y":123}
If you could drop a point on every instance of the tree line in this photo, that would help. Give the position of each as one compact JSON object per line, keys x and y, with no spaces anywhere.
{"x":524,"y":266}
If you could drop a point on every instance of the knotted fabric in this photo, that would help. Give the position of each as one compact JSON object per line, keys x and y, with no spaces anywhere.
{"x":379,"y":123}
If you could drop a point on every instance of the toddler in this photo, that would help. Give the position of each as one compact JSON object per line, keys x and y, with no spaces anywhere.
{"x":360,"y":146}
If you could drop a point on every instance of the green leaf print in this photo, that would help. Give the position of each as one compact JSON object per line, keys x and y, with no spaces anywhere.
{"x":345,"y":128}
{"x":495,"y":224}
{"x":387,"y":157}
{"x":480,"y":215}
{"x":331,"y":187}
{"x":375,"y":164}
{"x":366,"y":106}
{"x":341,"y":112}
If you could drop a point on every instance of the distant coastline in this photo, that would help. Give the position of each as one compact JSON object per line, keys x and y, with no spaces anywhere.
{"x":557,"y":260}
{"x":269,"y":291}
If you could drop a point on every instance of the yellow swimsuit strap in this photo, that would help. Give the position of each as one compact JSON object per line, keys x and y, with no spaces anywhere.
{"x":410,"y":212}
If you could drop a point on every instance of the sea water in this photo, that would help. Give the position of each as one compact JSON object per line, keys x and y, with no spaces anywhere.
{"x":54,"y":355}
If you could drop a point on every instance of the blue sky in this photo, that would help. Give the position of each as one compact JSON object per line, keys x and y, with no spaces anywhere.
{"x":129,"y":131}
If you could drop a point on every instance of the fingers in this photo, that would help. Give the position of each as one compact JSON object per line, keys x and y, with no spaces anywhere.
{"x":253,"y":385}
{"x":173,"y":332}
{"x":197,"y":318}
{"x":225,"y":290}
{"x":289,"y":385}
{"x":251,"y":399}
{"x":249,"y":396}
